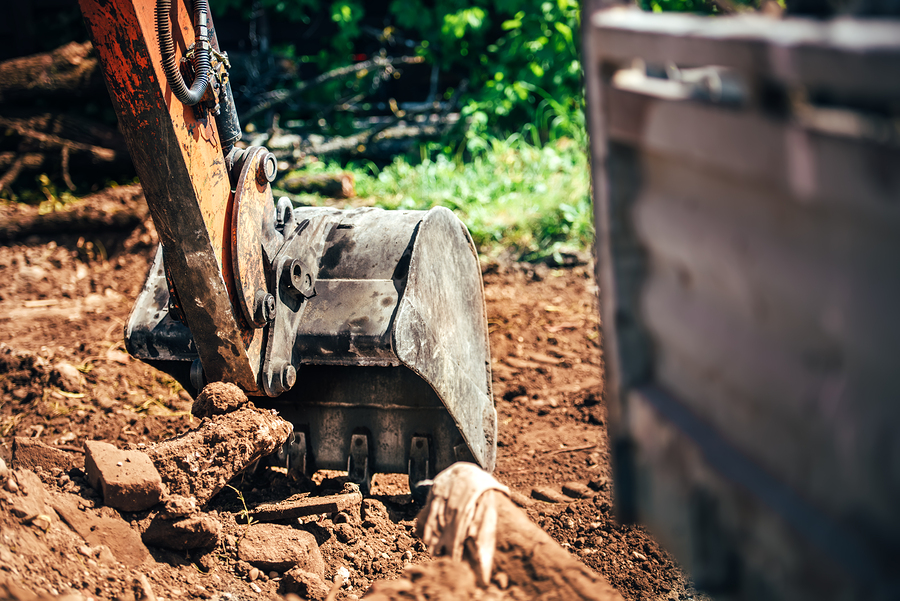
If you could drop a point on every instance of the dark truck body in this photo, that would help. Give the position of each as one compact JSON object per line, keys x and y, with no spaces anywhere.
{"x":747,"y":207}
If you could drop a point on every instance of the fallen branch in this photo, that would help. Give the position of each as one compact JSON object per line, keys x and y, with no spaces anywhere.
{"x":116,"y":208}
{"x":99,"y":153}
{"x":67,"y":71}
{"x":572,"y":450}
{"x":331,"y":185}
{"x":278,"y":97}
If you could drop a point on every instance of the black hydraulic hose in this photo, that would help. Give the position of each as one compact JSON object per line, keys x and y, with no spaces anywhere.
{"x":202,"y":62}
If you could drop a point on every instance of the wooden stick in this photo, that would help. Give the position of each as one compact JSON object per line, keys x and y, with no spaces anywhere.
{"x":572,"y":450}
{"x":279,"y":97}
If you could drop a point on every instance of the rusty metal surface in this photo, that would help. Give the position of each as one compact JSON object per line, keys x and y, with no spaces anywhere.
{"x":252,"y":213}
{"x":179,"y":161}
{"x":747,"y":246}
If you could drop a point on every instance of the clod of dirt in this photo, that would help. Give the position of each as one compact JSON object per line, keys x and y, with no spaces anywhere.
{"x":280,"y":548}
{"x":218,"y":398}
{"x":442,"y":579}
{"x":179,"y":507}
{"x":599,"y":484}
{"x":110,"y":530}
{"x":201,"y":462}
{"x":128,"y":479}
{"x":68,"y":377}
{"x":29,"y":453}
{"x":549,"y":495}
{"x":577,"y":490}
{"x":306,"y":584}
{"x":31,"y":500}
{"x":181,"y":534}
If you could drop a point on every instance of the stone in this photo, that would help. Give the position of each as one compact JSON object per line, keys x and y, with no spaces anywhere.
{"x":305,"y":584}
{"x":549,"y":495}
{"x":577,"y":490}
{"x":128,"y":479}
{"x":520,"y":499}
{"x":194,"y":532}
{"x":218,"y":398}
{"x":281,"y":548}
{"x":177,"y":506}
{"x":68,"y":377}
{"x":29,"y":453}
{"x":302,"y":505}
{"x":111,"y":531}
{"x":4,"y":470}
{"x":345,"y":533}
{"x":599,"y":483}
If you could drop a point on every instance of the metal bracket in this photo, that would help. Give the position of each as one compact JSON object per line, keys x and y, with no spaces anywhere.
{"x":358,"y":470}
{"x":420,"y":468}
{"x":294,"y":454}
{"x":294,"y":274}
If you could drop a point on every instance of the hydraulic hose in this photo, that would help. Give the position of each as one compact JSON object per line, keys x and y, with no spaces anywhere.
{"x":202,"y":63}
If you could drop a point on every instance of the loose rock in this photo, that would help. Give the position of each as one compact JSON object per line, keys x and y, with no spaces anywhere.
{"x":577,"y":490}
{"x":68,"y":377}
{"x":29,"y":453}
{"x":193,"y":532}
{"x":128,"y":479}
{"x":281,"y":548}
{"x":113,"y":532}
{"x":306,"y":584}
{"x":218,"y":398}
{"x":549,"y":495}
{"x":520,"y":499}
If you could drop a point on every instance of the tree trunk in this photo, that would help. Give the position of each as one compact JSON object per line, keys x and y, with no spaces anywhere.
{"x":68,"y":71}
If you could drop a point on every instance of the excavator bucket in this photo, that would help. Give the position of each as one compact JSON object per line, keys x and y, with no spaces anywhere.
{"x":391,"y":352}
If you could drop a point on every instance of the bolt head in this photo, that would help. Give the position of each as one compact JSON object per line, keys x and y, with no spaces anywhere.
{"x":263,"y":308}
{"x":269,"y":307}
{"x":288,"y":377}
{"x":267,"y":170}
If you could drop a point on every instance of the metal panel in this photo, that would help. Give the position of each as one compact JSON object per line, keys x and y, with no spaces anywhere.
{"x":747,"y":259}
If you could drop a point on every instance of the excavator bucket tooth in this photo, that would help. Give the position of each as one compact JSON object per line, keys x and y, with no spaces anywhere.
{"x":391,"y":349}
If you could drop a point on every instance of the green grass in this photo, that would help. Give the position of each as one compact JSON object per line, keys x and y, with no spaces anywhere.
{"x":527,"y":198}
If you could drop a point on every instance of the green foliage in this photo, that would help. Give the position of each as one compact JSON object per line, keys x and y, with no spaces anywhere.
{"x":514,"y":54}
{"x":693,"y":6}
{"x":514,"y":194}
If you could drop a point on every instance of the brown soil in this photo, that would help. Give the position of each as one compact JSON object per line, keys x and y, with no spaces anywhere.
{"x":64,"y":302}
